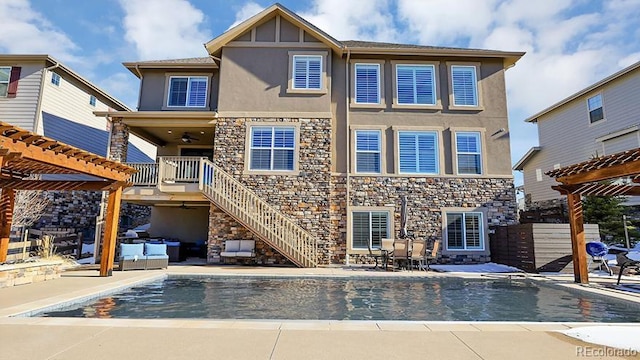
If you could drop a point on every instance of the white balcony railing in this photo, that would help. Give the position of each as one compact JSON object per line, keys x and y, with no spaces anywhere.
{"x":168,"y":169}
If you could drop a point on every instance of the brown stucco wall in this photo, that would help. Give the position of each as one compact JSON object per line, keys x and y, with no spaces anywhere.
{"x":154,"y":82}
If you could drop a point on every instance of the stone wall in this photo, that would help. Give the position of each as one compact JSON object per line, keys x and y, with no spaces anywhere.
{"x":119,"y":140}
{"x":27,"y":273}
{"x":303,"y":197}
{"x":427,"y":196}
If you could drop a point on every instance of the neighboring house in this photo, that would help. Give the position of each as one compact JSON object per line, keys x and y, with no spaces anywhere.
{"x":602,"y":119}
{"x":40,"y":94}
{"x":307,"y":144}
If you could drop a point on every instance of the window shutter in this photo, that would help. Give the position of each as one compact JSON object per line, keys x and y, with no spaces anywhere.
{"x":299,"y":73}
{"x":368,"y":151}
{"x":415,"y":84}
{"x":418,"y":152}
{"x":307,"y":72}
{"x":426,"y":145}
{"x":463,"y":79}
{"x":198,"y":92}
{"x":367,"y":83}
{"x":13,"y":82}
{"x":408,"y":153}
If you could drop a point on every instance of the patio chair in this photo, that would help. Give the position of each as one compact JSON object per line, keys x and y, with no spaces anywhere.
{"x":386,"y":250}
{"x":625,"y":262}
{"x":598,"y":251}
{"x":429,"y":256}
{"x":417,"y":254}
{"x":156,"y":256}
{"x":401,"y":252}
{"x":132,"y":257}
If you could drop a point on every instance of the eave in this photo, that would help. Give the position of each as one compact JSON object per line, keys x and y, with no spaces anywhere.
{"x":519,"y":166}
{"x":510,"y":58}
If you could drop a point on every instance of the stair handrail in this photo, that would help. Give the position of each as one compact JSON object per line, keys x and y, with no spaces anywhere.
{"x":258,"y":215}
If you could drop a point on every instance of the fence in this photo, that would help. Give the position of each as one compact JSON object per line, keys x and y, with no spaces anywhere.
{"x":65,"y":243}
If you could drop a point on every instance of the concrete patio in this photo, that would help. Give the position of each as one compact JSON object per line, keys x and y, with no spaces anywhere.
{"x":84,"y":338}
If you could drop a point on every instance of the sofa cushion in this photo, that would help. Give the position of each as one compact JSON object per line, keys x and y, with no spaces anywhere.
{"x":231,"y":245}
{"x":131,"y":250}
{"x":228,"y":253}
{"x":247,"y":245}
{"x":132,"y":257}
{"x":155,"y":249}
{"x":244,"y":254}
{"x":157,"y":257}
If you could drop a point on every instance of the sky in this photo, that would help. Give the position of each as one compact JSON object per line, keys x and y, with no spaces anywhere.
{"x":570,"y":44}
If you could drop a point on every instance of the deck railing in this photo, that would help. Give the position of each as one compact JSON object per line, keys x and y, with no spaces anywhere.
{"x":147,"y":174}
{"x":168,"y":169}
{"x":252,"y":211}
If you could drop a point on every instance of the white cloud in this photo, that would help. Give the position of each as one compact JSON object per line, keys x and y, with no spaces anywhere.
{"x":167,"y":29}
{"x":124,"y":84}
{"x":246,"y":11}
{"x":26,"y":31}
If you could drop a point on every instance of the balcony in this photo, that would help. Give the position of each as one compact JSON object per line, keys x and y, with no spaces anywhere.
{"x":170,"y":174}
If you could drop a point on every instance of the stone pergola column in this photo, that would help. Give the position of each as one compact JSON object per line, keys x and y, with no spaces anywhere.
{"x":119,"y":140}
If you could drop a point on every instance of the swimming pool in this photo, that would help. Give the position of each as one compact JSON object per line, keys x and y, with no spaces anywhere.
{"x":416,"y":299}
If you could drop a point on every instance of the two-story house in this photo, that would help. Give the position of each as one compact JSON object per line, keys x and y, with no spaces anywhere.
{"x":40,"y":94}
{"x":288,"y":136}
{"x":599,"y":120}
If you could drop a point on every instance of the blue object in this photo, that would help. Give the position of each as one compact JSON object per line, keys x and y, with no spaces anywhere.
{"x":597,"y":249}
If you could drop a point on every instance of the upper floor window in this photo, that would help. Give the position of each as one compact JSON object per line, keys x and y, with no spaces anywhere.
{"x":415,"y":84}
{"x":468,"y":153}
{"x":307,"y":72}
{"x":368,"y":150}
{"x":55,"y":79}
{"x":367,"y":83}
{"x":369,"y":228}
{"x":464,"y":85}
{"x":596,"y":112}
{"x":5,"y":75}
{"x":272,"y":148}
{"x":92,"y":100}
{"x":464,"y":231}
{"x":418,"y":152}
{"x":187,"y":91}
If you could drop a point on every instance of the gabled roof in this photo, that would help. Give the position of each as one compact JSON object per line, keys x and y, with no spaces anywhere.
{"x":216,"y":44}
{"x":519,"y":166}
{"x":608,"y":79}
{"x":59,"y":67}
{"x":186,"y":63}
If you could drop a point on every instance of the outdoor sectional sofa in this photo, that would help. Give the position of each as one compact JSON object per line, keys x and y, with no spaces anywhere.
{"x":143,"y":256}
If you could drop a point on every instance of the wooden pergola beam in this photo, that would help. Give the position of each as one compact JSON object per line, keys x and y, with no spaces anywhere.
{"x":111,"y":231}
{"x":597,"y":189}
{"x":578,"y":245}
{"x":7,"y":198}
{"x":600,"y":174}
{"x":51,"y":185}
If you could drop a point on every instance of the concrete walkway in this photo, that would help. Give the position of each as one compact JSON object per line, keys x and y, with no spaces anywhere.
{"x":80,"y":338}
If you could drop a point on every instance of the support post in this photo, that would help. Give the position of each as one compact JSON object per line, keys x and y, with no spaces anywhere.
{"x":110,"y":232}
{"x":578,"y":246}
{"x":7,"y":198}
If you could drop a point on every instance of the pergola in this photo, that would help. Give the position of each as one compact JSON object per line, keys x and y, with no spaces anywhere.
{"x":24,"y":154}
{"x":594,"y":178}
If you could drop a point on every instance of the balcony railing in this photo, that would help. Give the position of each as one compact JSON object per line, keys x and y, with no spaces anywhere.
{"x":168,"y":169}
{"x":147,"y":174}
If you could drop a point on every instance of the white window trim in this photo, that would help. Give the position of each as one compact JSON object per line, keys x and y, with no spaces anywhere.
{"x":248,"y":147}
{"x":604,"y":117}
{"x":483,"y":157}
{"x":356,"y":151}
{"x":452,"y":105}
{"x":437,"y":150}
{"x":325,"y":68}
{"x":436,"y":85}
{"x":167,"y":88}
{"x":381,"y":98}
{"x":56,"y":82}
{"x":8,"y":80}
{"x":484,"y":230}
{"x":390,"y":225}
{"x":92,"y":100}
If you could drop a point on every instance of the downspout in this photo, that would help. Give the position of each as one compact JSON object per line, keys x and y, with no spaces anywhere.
{"x":348,"y":177}
{"x":37,"y":121}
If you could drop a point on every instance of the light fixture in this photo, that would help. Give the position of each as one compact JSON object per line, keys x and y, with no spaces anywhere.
{"x":169,"y":131}
{"x":186,"y":138}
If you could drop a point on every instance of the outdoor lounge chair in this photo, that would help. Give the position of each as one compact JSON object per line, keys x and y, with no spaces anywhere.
{"x":132,"y":257}
{"x":401,"y":252}
{"x":156,"y":256}
{"x":430,"y":256}
{"x":386,"y":250}
{"x":418,"y":249}
{"x":598,"y":250}
{"x":625,"y":262}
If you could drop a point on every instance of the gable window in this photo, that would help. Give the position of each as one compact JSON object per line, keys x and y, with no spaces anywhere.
{"x":307,"y":72}
{"x":418,"y":152}
{"x":272,"y":148}
{"x":367,"y":83}
{"x":464,"y":231}
{"x":5,"y":73}
{"x":415,"y":84}
{"x":595,"y":108}
{"x":464,"y":85}
{"x":369,"y":228}
{"x":55,"y":79}
{"x":468,"y":152}
{"x":368,"y":149}
{"x":92,"y":100}
{"x":187,"y":91}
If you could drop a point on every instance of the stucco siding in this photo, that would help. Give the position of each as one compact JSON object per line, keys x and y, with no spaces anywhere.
{"x":256,"y":80}
{"x":154,"y":89}
{"x":21,"y":110}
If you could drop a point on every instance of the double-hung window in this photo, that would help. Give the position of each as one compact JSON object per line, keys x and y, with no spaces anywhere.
{"x":187,"y":91}
{"x":5,"y":75}
{"x":307,"y":72}
{"x":468,"y":152}
{"x":464,"y":83}
{"x":464,"y":231}
{"x":415,"y":85}
{"x":92,"y":100}
{"x":418,"y":152}
{"x":272,"y":148}
{"x":367,"y":83}
{"x":596,"y":112}
{"x":368,"y":150}
{"x":55,"y":79}
{"x":369,"y":228}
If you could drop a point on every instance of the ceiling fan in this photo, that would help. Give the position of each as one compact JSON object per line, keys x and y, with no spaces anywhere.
{"x":185,"y":207}
{"x":187,"y":138}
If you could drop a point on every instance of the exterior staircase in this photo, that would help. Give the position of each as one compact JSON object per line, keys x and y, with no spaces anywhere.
{"x":262,"y":219}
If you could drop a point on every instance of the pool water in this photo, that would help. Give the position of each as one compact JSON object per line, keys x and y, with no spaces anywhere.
{"x":433,"y":299}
